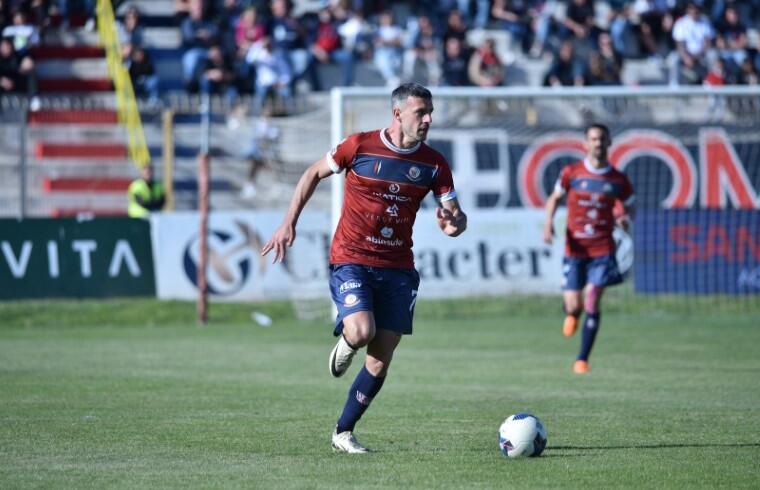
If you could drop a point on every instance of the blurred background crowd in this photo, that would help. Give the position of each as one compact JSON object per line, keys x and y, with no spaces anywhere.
{"x":271,"y":49}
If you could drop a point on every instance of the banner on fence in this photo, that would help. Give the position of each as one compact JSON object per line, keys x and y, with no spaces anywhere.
{"x":502,"y":251}
{"x":44,"y":258}
{"x":698,"y":251}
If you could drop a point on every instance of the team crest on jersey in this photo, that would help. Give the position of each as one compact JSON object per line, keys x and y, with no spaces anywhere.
{"x":351,"y":300}
{"x":607,"y":188}
{"x":387,"y":232}
{"x":394,"y":187}
{"x":413,"y":174}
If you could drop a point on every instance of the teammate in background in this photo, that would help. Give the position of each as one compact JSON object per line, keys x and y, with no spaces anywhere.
{"x":144,"y":194}
{"x":592,"y":187}
{"x":372,"y":276}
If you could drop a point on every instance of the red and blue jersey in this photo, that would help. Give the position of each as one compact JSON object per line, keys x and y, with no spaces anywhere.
{"x":591,"y":196}
{"x":384,"y":187}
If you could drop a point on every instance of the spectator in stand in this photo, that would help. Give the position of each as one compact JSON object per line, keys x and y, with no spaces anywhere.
{"x":218,"y":76}
{"x":389,"y":39}
{"x":579,"y":20}
{"x":424,"y":47}
{"x":355,"y":35}
{"x":10,"y":68}
{"x":477,"y":19}
{"x":605,"y":64}
{"x":655,"y":26}
{"x":83,"y":7}
{"x":130,"y":32}
{"x":145,"y":195}
{"x":198,"y":34}
{"x":748,"y":74}
{"x":226,"y":15}
{"x":565,"y":70}
{"x":273,"y":76}
{"x":455,"y":27}
{"x":625,"y":40}
{"x":22,"y":33}
{"x":261,"y":151}
{"x":455,"y":61}
{"x":693,"y":35}
{"x":515,"y":17}
{"x":485,"y":68}
{"x":731,"y":40}
{"x":716,"y":76}
{"x":328,"y":47}
{"x":142,"y":72}
{"x":288,"y":44}
{"x":248,"y":30}
{"x":17,"y":73}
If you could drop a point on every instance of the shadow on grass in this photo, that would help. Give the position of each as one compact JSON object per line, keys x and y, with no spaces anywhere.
{"x":656,"y":446}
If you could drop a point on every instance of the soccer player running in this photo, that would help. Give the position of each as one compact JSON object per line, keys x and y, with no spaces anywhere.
{"x":592,"y":187}
{"x":372,"y":277}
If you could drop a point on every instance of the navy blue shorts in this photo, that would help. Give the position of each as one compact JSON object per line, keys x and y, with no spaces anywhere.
{"x":599,"y":271}
{"x":390,"y":294}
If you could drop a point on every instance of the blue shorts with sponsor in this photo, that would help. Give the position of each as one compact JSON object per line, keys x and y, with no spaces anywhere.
{"x":390,"y":294}
{"x":599,"y":271}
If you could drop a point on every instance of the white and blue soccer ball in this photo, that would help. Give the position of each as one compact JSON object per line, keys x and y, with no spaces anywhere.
{"x":522,"y":435}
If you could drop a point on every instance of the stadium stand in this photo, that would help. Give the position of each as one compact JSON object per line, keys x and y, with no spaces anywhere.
{"x":75,"y":135}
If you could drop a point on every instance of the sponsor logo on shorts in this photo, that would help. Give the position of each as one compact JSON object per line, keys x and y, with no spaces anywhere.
{"x":351,"y":300}
{"x":349,"y":285}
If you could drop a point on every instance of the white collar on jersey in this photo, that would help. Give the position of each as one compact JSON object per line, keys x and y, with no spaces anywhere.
{"x":395,"y":148}
{"x":594,"y":170}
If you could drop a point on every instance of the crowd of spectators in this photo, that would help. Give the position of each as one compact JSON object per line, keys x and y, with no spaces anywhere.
{"x":259,"y":47}
{"x":270,"y":50}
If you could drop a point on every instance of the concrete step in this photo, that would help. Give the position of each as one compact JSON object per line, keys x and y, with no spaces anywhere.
{"x":47,"y":52}
{"x":162,"y":37}
{"x":70,"y":116}
{"x":75,"y":85}
{"x":81,"y":68}
{"x":148,"y":7}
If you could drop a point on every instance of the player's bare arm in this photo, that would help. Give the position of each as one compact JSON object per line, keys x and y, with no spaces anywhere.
{"x":624,"y":220}
{"x":451,"y":219}
{"x":285,"y":234}
{"x":551,"y":207}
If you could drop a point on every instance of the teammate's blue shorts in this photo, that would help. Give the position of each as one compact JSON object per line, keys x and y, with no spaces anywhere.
{"x":390,"y":294}
{"x":599,"y":271}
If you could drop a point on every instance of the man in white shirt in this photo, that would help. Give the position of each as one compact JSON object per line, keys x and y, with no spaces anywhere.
{"x":693,"y":34}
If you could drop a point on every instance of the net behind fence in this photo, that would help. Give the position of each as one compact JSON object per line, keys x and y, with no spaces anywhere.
{"x":692,"y":156}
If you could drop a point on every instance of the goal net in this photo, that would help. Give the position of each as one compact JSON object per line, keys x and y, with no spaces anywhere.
{"x":692,"y":155}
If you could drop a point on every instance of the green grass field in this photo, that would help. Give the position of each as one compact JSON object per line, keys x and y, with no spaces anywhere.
{"x":93,"y":395}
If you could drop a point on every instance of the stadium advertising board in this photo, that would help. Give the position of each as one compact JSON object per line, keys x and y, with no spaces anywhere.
{"x":502,"y":251}
{"x":698,"y":251}
{"x":236,"y":271}
{"x":46,"y":258}
{"x":684,"y":166}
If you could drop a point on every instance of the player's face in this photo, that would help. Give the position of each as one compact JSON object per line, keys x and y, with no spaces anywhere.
{"x":416,"y":116}
{"x":597,"y":143}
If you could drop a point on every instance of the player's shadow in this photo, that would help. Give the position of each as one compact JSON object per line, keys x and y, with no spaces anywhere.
{"x":654,"y":446}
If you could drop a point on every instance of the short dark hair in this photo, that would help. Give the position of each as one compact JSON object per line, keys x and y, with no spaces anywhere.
{"x":599,"y":126}
{"x":406,"y":90}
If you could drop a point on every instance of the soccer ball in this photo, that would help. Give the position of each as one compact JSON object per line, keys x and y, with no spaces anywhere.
{"x":521,"y":435}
